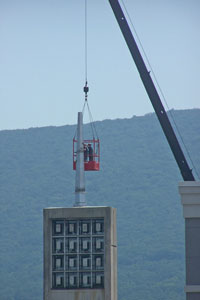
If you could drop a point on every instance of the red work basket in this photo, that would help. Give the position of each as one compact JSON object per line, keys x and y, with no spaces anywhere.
{"x":91,"y":157}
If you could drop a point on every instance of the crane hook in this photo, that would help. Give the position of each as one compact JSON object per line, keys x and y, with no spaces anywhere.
{"x":86,"y":90}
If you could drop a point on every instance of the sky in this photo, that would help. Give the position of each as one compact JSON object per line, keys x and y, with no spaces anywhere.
{"x":42,"y":59}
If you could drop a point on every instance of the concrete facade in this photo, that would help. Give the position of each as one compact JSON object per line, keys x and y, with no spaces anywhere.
{"x":190,"y":199}
{"x":81,"y":215}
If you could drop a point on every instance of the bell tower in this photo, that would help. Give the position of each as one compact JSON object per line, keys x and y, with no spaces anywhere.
{"x":80,"y":247}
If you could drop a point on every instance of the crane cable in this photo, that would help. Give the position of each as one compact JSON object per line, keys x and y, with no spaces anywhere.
{"x":86,"y":44}
{"x":161,"y":92}
{"x":86,"y":88}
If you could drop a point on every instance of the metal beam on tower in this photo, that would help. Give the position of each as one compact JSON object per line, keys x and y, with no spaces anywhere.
{"x":80,"y":175}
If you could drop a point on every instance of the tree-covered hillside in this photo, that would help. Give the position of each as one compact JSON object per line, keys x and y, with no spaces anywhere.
{"x":138,"y":176}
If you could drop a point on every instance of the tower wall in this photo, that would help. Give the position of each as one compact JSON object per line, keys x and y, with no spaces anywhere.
{"x":80,"y":253}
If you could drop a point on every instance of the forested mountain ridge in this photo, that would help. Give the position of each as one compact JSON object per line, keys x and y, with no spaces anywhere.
{"x":138,"y":176}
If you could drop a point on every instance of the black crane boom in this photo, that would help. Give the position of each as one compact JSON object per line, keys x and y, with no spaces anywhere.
{"x":152,"y":92}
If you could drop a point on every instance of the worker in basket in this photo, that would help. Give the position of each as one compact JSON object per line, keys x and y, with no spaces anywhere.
{"x":85,"y":149}
{"x":90,"y":152}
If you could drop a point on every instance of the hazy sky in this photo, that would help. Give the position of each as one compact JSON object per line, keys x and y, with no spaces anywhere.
{"x":42,"y":59}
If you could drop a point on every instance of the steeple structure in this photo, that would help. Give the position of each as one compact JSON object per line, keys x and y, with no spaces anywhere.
{"x":80,"y":245}
{"x":80,"y":174}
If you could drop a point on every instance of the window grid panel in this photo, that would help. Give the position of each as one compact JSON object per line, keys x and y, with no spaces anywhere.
{"x":78,"y":250}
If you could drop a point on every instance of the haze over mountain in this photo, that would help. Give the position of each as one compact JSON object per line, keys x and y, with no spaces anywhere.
{"x":138,"y":176}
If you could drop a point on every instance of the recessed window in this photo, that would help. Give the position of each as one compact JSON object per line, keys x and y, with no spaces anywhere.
{"x":85,"y":244}
{"x":71,"y":245}
{"x":58,"y":227}
{"x":84,"y":227}
{"x":98,"y":279}
{"x":71,"y":262}
{"x":71,"y":228}
{"x":58,"y":245}
{"x":98,"y":244}
{"x":98,"y":227}
{"x":58,"y":280}
{"x":85,"y":262}
{"x":58,"y":262}
{"x":98,"y":262}
{"x":85,"y":280}
{"x":71,"y":280}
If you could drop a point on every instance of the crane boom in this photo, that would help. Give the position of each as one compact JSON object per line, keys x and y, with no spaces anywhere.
{"x":152,"y":92}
